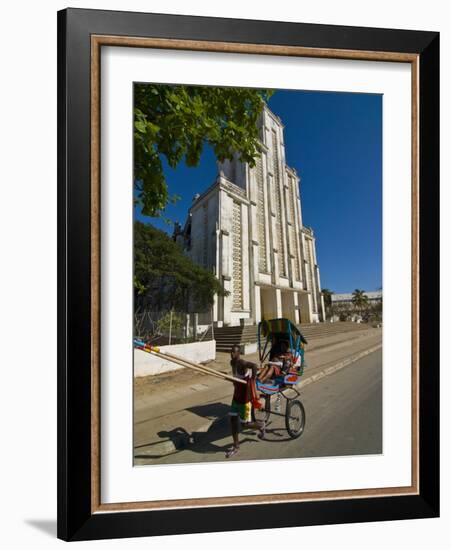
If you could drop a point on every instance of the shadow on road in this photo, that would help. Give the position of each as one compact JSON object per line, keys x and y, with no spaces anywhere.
{"x":276,"y":435}
{"x":215,"y":438}
{"x":177,"y":436}
{"x":210,"y":410}
{"x":208,"y":442}
{"x":181,"y":436}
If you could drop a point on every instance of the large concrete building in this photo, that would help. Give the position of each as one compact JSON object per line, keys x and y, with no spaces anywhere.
{"x":247,"y":228}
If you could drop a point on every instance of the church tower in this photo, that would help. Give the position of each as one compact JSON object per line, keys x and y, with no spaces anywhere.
{"x":247,"y":228}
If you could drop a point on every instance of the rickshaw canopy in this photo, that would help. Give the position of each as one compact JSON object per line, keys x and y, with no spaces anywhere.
{"x":273,"y":331}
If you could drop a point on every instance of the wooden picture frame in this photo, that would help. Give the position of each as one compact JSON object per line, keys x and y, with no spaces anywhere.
{"x":81,"y":35}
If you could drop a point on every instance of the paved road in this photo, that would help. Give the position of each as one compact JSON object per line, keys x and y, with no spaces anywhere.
{"x":344,"y":417}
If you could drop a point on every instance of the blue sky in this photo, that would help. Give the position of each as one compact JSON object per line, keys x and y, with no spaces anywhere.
{"x":334,"y":141}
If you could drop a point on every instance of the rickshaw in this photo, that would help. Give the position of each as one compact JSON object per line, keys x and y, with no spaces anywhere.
{"x":271,"y":333}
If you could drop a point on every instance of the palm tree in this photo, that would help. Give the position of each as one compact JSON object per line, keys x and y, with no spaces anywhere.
{"x":360,"y":300}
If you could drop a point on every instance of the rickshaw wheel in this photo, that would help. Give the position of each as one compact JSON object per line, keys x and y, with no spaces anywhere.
{"x":295,"y":418}
{"x":262,"y":415}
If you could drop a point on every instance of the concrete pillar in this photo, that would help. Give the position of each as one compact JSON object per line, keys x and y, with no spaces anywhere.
{"x":310,"y":307}
{"x":187,"y":325}
{"x":257,"y":313}
{"x":215,"y":309}
{"x":278,"y":302}
{"x":296,"y":308}
{"x":226,"y":209}
{"x":226,"y":314}
{"x":275,"y":273}
{"x":322,"y":309}
{"x":195,"y":323}
{"x":255,"y":304}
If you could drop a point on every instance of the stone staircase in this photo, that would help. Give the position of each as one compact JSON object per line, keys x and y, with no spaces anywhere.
{"x":226,"y":337}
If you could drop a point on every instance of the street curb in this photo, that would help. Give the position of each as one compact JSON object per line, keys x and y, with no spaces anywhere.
{"x":338,"y":366}
{"x":317,"y":344}
{"x":184,"y":440}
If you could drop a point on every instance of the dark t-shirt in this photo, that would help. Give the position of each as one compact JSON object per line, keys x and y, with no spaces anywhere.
{"x":242,"y":369}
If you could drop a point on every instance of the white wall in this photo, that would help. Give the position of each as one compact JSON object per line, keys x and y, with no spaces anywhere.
{"x":146,"y":364}
{"x":28,"y":277}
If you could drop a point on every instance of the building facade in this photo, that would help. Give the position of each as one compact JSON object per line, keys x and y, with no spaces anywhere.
{"x":247,"y":228}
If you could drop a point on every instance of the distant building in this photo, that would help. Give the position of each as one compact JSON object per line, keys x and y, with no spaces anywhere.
{"x":346,"y":299}
{"x":343,"y":308}
{"x":247,"y":228}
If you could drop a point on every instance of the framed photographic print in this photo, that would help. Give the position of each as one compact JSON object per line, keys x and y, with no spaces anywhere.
{"x":248,"y":274}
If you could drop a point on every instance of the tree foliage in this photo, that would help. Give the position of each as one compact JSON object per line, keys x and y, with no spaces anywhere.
{"x":165,"y":278}
{"x":176,"y":121}
{"x":327,"y":294}
{"x":359,"y":299}
{"x":170,"y":322}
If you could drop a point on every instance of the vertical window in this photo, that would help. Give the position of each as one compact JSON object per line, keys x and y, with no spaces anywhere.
{"x":205,"y":236}
{"x":237,"y":293}
{"x":278,"y":204}
{"x":261,"y":218}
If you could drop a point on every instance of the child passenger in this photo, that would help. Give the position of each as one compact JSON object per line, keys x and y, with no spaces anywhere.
{"x":280,"y":361}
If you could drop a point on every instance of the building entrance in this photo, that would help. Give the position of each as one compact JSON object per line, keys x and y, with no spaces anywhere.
{"x":268,"y":299}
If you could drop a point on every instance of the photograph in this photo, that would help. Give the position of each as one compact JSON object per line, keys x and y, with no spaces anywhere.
{"x":257,"y":274}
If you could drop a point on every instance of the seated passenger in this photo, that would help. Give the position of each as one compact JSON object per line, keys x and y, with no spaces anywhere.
{"x":280,"y":362}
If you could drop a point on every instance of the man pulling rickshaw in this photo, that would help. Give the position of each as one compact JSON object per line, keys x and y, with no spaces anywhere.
{"x":281,"y":354}
{"x":244,"y":399}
